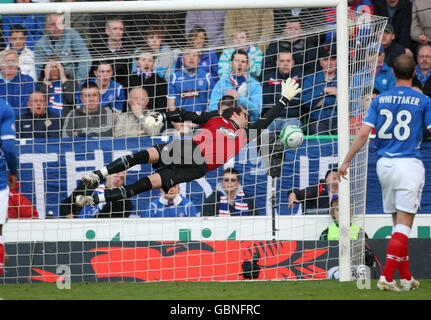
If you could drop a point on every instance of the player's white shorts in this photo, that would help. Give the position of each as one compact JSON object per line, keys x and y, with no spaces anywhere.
{"x":402,"y":181}
{"x":4,"y":204}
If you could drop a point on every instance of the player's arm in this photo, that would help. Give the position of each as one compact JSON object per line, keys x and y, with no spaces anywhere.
{"x":178,"y":115}
{"x":358,"y":142}
{"x":289,"y":90}
{"x":8,"y":145}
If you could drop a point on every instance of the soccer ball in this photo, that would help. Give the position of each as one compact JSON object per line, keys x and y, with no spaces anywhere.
{"x":292,"y":136}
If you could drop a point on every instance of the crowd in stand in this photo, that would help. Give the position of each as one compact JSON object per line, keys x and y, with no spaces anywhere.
{"x":101,"y":75}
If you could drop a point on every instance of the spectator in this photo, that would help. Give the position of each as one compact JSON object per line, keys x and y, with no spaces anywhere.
{"x":355,"y":121}
{"x":272,"y":91}
{"x":130,"y":123}
{"x":332,"y":233}
{"x":147,"y":78}
{"x":115,"y":209}
{"x":240,"y":40}
{"x":189,"y":88}
{"x":246,"y":90}
{"x":420,"y":30}
{"x":211,"y":20}
{"x":15,"y":87}
{"x":317,"y":198}
{"x":80,"y":22}
{"x":229,"y":198}
{"x":17,"y":39}
{"x":90,"y":119}
{"x":57,"y":86}
{"x":423,"y":69}
{"x":115,"y":47}
{"x":208,"y":62}
{"x":112,"y":93}
{"x":65,"y":43}
{"x":169,"y":205}
{"x":38,"y":121}
{"x":134,"y":24}
{"x":226,"y":102}
{"x":304,"y":49}
{"x":32,"y":24}
{"x":384,"y":75}
{"x":154,"y":38}
{"x":319,"y":94}
{"x":357,"y":8}
{"x":392,"y":48}
{"x":399,"y":13}
{"x":309,"y":17}
{"x":259,"y":23}
{"x":20,"y":207}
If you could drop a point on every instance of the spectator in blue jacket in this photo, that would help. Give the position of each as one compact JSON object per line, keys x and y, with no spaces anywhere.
{"x":65,"y":43}
{"x":32,"y":23}
{"x":169,"y":205}
{"x":384,"y":75}
{"x":38,"y":121}
{"x":197,"y":38}
{"x":14,"y":86}
{"x":240,"y":85}
{"x":111,"y":92}
{"x":189,"y":88}
{"x":272,"y":91}
{"x":319,"y":94}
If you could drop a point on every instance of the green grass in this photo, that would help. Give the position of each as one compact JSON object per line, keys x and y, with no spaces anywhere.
{"x":270,"y":290}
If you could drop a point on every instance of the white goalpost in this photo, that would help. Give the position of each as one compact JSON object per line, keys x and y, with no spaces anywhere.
{"x":279,"y":242}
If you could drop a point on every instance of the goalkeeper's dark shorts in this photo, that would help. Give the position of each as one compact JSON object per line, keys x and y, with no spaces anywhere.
{"x":179,"y":161}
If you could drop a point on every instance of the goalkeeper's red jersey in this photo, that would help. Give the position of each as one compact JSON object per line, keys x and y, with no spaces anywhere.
{"x":221,"y":139}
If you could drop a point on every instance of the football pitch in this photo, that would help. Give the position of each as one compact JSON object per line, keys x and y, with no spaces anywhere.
{"x":268,"y":290}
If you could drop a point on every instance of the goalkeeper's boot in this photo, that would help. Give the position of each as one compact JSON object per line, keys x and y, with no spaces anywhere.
{"x":91,"y":178}
{"x":383,"y":284}
{"x":408,"y":285}
{"x":84,"y":201}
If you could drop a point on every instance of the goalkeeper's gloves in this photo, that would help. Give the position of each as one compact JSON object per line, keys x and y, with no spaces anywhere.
{"x":290,"y":88}
{"x":153,"y":122}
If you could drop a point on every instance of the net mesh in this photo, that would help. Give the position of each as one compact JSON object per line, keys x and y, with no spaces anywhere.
{"x":122,"y":53}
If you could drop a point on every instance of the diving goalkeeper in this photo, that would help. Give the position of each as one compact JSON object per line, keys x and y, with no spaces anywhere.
{"x":178,"y":161}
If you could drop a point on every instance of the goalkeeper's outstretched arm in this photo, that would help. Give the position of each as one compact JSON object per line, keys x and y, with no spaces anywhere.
{"x":157,"y":118}
{"x":289,"y":90}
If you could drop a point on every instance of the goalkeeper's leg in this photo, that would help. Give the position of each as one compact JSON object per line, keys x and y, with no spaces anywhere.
{"x":165,"y":178}
{"x":148,"y":183}
{"x":150,"y":155}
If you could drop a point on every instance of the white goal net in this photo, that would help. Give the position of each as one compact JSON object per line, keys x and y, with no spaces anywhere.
{"x":81,"y":85}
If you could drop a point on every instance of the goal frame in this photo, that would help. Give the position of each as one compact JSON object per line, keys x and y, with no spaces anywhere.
{"x":189,"y":5}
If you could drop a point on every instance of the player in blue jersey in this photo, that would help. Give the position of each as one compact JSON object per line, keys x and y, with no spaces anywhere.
{"x":398,"y":115}
{"x":189,"y":88}
{"x":8,"y":156}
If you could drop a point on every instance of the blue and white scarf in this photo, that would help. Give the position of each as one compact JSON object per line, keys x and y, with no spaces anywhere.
{"x":240,"y":204}
{"x":55,"y":102}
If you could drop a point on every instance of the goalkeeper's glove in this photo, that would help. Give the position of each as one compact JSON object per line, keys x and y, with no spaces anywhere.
{"x":153,"y":122}
{"x":290,"y":88}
